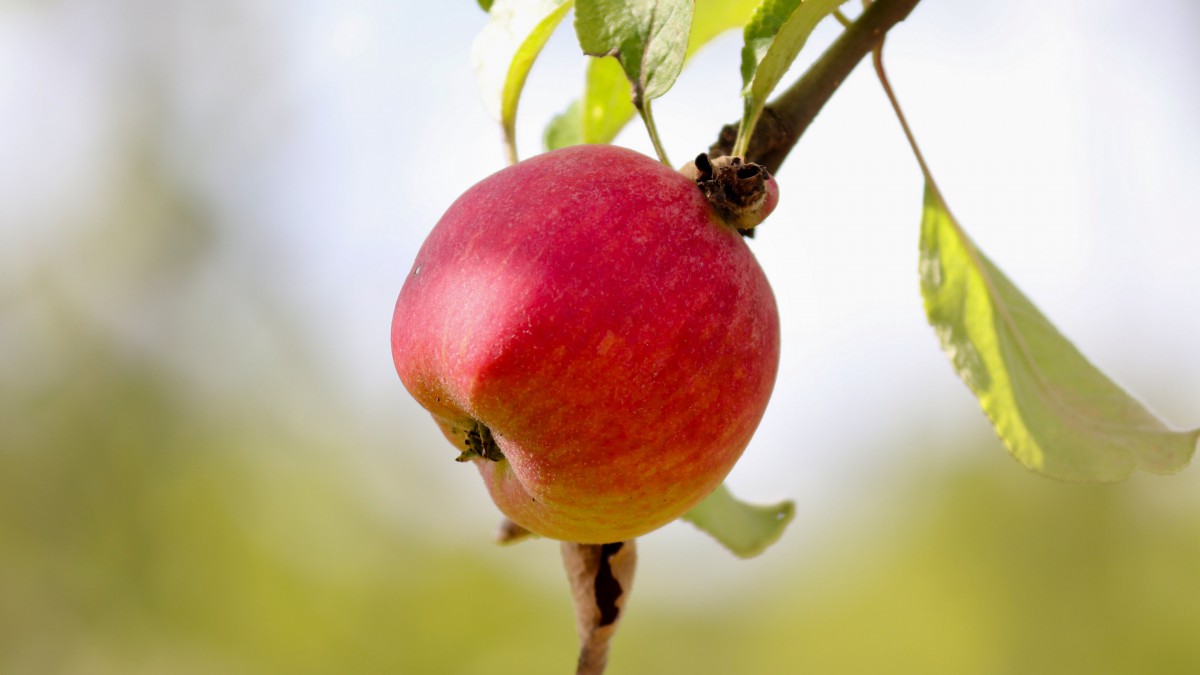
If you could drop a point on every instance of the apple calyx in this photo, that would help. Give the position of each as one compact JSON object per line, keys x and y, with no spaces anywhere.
{"x":742,"y":193}
{"x":480,"y":444}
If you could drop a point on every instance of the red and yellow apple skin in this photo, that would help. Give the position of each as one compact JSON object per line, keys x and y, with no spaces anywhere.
{"x":617,"y":338}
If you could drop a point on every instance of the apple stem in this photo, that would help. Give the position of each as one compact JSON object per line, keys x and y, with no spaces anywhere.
{"x":601,"y":576}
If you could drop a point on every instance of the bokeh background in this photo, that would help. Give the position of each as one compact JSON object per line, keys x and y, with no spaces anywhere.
{"x":207,"y":464}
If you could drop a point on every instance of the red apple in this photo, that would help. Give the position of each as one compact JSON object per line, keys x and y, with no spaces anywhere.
{"x":598,"y":341}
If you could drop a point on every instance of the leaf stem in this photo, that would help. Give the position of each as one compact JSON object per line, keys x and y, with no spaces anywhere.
{"x":973,"y":253}
{"x":877,"y":60}
{"x":510,"y":142}
{"x":745,"y":129}
{"x":969,"y":245}
{"x":643,"y":108}
{"x":931,"y":184}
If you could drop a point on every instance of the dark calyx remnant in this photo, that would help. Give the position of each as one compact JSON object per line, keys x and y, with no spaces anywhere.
{"x":735,"y":188}
{"x":607,"y":589}
{"x":479,"y":443}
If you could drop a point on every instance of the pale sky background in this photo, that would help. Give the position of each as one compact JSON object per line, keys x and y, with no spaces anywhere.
{"x":325,"y":139}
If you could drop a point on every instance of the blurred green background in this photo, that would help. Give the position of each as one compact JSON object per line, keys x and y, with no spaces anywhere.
{"x":207,"y":464}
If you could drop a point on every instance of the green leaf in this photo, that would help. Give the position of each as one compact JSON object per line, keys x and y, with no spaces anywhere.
{"x":608,"y":96}
{"x":505,"y":51}
{"x":648,"y":38}
{"x":744,"y":529}
{"x":773,"y":38}
{"x":606,"y":107}
{"x":714,"y":17}
{"x":566,"y":128}
{"x":485,"y":5}
{"x":1056,"y":412}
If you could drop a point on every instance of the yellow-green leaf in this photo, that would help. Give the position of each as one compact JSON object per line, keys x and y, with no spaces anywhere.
{"x":566,"y":128}
{"x":713,"y":17}
{"x":744,"y":529}
{"x":505,"y":51}
{"x":1055,"y":411}
{"x":606,"y":107}
{"x":773,"y":39}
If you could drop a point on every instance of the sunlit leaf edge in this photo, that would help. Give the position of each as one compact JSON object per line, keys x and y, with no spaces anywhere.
{"x":523,"y":60}
{"x":1000,"y":398}
{"x":504,"y":53}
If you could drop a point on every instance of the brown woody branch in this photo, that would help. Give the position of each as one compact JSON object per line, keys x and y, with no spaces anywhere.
{"x":785,"y":119}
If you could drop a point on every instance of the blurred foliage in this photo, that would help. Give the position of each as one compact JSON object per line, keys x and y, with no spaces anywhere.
{"x":139,"y":534}
{"x":1002,"y":573}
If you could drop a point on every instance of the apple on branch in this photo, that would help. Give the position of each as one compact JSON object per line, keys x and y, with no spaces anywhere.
{"x":589,"y":328}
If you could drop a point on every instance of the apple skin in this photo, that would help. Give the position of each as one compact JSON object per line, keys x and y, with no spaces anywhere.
{"x":617,"y":338}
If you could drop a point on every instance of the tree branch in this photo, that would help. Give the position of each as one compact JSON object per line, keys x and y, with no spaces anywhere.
{"x":785,"y":119}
